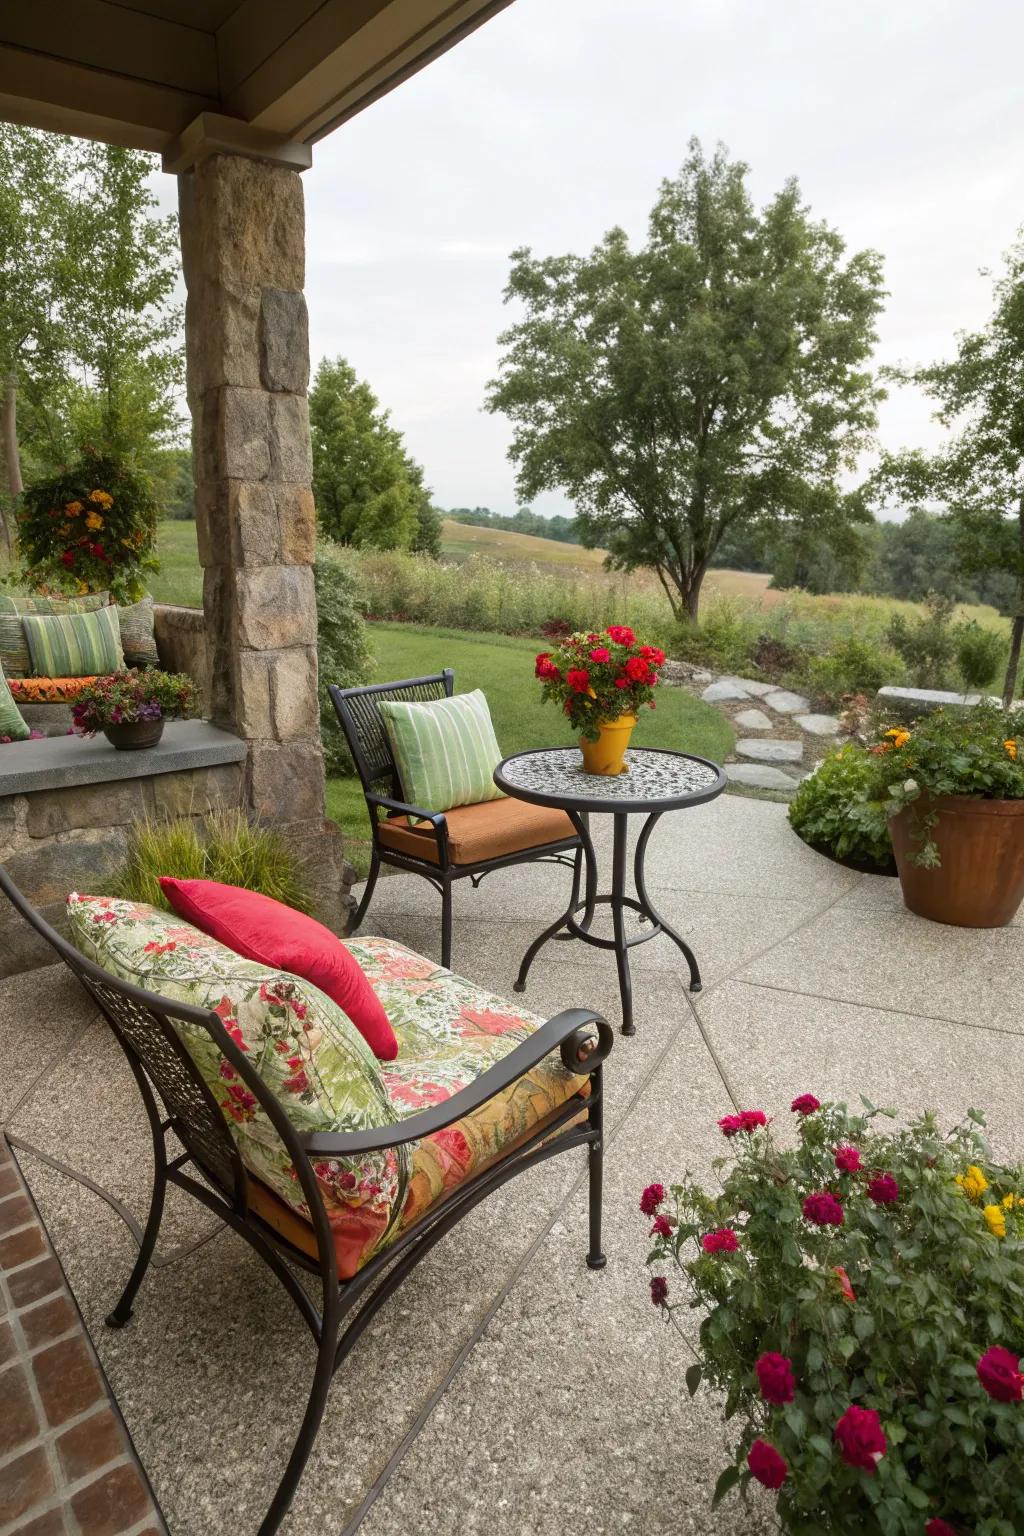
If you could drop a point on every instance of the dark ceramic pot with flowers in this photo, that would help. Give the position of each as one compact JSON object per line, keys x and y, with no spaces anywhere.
{"x":130,"y":708}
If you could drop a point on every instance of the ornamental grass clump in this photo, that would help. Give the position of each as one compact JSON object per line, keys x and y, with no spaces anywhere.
{"x":598,"y":677}
{"x":863,"y":1301}
{"x":976,"y":752}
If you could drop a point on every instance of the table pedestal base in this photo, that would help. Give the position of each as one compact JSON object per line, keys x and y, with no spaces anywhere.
{"x":567,"y":927}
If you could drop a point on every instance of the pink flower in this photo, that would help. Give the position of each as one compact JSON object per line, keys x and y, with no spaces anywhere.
{"x":860,"y":1437}
{"x":662,"y":1227}
{"x":775,"y":1378}
{"x":805,"y":1104}
{"x":651,"y":1198}
{"x":621,"y":634}
{"x":767,"y":1465}
{"x":747,"y":1120}
{"x":824,"y":1210}
{"x":659,"y":1290}
{"x":848,"y":1159}
{"x":722,"y":1241}
{"x":939,"y":1528}
{"x":1000,"y":1374}
{"x":883,"y":1189}
{"x":600,"y":653}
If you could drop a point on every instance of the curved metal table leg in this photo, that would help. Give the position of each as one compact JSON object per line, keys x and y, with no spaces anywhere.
{"x":641,"y":889}
{"x":582,"y":827}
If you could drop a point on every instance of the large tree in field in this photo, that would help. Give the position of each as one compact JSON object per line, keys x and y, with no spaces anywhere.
{"x":368,"y":490}
{"x":716,"y":378}
{"x":978,"y":476}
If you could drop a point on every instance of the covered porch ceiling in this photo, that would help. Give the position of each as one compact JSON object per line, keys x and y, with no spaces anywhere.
{"x":184,"y":76}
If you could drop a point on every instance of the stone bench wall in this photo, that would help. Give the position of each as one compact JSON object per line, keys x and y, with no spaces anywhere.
{"x":54,"y":841}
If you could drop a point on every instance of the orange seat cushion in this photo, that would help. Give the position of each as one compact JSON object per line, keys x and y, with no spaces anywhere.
{"x":480,"y":832}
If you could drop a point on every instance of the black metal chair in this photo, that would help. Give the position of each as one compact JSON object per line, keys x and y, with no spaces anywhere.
{"x":387,"y":807}
{"x":178,"y":1102}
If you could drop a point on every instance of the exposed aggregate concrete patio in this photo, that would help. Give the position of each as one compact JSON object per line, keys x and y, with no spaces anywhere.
{"x":506,"y":1388}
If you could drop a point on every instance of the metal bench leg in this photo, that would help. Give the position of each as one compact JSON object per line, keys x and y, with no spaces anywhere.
{"x":123,"y":1311}
{"x":371,"y":880}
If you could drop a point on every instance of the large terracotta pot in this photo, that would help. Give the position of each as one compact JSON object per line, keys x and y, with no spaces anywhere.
{"x":607,"y":755}
{"x":980,"y":880}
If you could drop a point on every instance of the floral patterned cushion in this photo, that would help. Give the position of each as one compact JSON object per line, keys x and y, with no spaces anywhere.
{"x":449,"y":1031}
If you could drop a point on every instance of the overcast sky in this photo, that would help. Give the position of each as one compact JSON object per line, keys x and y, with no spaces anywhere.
{"x":901,"y":119}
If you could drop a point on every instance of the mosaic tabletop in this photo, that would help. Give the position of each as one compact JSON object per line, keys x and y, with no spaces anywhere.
{"x":656,"y":780}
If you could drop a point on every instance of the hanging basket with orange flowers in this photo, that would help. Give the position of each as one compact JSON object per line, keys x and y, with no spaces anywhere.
{"x":89,"y":529}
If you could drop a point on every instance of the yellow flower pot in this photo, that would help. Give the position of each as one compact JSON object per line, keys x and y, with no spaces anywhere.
{"x":607,"y":755}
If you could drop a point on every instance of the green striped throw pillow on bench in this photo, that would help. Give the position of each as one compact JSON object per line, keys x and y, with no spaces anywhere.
{"x":14,"y":656}
{"x":445,"y":750}
{"x":74,"y":644}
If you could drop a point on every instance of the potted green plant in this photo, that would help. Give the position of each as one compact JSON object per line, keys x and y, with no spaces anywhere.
{"x":130,"y":707}
{"x":835,"y":813}
{"x":954,"y":789}
{"x":601,"y":681}
{"x":862,"y":1301}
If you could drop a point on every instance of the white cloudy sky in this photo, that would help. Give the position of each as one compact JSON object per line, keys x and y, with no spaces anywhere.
{"x":901,"y":119}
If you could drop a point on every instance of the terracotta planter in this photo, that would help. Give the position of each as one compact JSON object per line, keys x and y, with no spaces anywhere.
{"x":980,"y":881}
{"x":607,"y":754}
{"x":133,"y":735}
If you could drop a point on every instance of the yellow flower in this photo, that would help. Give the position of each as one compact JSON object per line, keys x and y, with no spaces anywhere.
{"x":996,"y":1220}
{"x":1009,"y":1201}
{"x":897,"y":736}
{"x":73,"y":508}
{"x":101,"y":498}
{"x":973,"y":1182}
{"x":1011,"y":748}
{"x":65,"y":529}
{"x":94,"y":521}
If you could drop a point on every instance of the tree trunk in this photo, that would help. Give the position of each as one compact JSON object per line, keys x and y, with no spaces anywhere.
{"x":9,"y":439}
{"x":1017,"y":627}
{"x":691,"y":596}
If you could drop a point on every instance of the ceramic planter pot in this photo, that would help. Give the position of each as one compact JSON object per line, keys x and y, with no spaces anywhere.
{"x":980,"y":881}
{"x":607,"y":755}
{"x":133,"y":735}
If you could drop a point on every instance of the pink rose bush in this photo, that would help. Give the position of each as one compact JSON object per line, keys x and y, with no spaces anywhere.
{"x":860,"y":1291}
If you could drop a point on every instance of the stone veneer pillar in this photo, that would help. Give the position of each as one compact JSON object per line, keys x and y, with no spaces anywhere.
{"x":247,"y":350}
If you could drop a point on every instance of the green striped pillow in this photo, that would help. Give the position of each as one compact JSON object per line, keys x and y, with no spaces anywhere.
{"x":445,"y":751}
{"x":14,"y":656}
{"x":11,"y":723}
{"x":74,"y":644}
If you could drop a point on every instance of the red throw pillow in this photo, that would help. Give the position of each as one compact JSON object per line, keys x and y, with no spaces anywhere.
{"x":263,"y":929}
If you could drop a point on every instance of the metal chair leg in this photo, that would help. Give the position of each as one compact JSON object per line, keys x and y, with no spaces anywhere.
{"x":446,"y":925}
{"x":123,"y":1311}
{"x":371,"y":880}
{"x":595,"y":1256}
{"x":311,"y":1419}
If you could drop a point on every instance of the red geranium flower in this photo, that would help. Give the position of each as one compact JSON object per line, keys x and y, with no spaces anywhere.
{"x":652,"y":654}
{"x":805,"y":1104}
{"x":1000,"y":1374}
{"x":651,"y":1198}
{"x":939,"y":1528}
{"x":848,"y":1159}
{"x":622,"y":682}
{"x":861,"y":1439}
{"x":600,"y":653}
{"x":824,"y":1210}
{"x":767,"y":1465}
{"x":662,"y":1227}
{"x":883,"y":1189}
{"x":621,"y":634}
{"x":67,"y":558}
{"x":775,"y":1378}
{"x":637,"y":670}
{"x":578,"y":679}
{"x":722,"y":1241}
{"x":659,"y":1290}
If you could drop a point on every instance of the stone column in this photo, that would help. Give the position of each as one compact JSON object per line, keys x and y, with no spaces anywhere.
{"x":247,"y":350}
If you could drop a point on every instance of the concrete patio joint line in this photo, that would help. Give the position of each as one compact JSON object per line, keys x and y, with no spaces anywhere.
{"x":854,"y":1002}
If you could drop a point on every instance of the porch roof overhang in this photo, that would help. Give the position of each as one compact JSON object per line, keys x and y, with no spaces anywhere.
{"x":189,"y":77}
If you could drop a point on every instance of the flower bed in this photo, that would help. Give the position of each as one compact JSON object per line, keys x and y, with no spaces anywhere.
{"x":864,"y":1316}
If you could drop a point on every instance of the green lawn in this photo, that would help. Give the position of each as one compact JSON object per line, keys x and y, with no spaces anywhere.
{"x":180,"y":577}
{"x":503,"y":668}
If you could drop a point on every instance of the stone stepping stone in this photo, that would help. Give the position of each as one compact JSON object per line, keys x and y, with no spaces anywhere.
{"x":760,"y":776}
{"x":752,"y":720}
{"x":724,"y":690}
{"x":819,"y":725}
{"x":786,"y":703}
{"x":757,"y":689}
{"x":769,"y":751}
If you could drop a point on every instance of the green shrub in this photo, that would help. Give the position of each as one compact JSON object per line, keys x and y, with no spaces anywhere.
{"x":342,"y":650}
{"x":854,"y":666}
{"x":980,"y":654}
{"x":927,"y":644}
{"x":836,"y":811}
{"x":724,"y":639}
{"x":224,"y":847}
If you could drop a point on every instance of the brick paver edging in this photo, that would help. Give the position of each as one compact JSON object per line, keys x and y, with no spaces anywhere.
{"x":67,"y":1463}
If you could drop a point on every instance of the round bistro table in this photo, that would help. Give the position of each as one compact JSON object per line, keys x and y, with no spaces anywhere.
{"x":657,"y":781}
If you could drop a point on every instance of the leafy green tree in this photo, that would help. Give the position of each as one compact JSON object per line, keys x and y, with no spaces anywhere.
{"x":716,"y":377}
{"x":368,"y":491}
{"x":978,"y":476}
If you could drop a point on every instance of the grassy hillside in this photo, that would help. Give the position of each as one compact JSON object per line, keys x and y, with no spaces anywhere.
{"x":503,"y":667}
